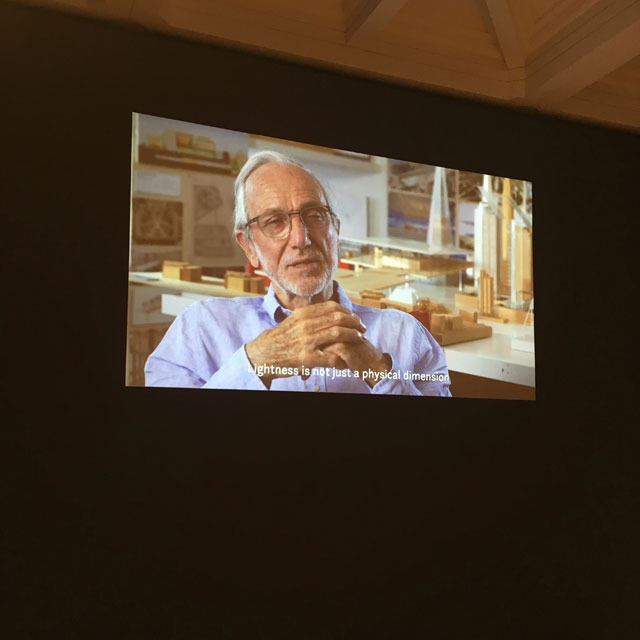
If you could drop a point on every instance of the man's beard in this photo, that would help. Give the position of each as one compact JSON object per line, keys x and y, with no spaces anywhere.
{"x":293,"y":288}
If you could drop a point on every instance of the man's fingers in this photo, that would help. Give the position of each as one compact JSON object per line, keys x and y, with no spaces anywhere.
{"x":331,"y":359}
{"x":340,"y":350}
{"x":334,"y":319}
{"x":313,"y":310}
{"x":321,"y":358}
{"x":326,"y":314}
{"x":332,"y":335}
{"x":301,"y":338}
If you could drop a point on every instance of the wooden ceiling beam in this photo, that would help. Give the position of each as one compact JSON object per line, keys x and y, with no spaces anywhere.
{"x":585,"y":57}
{"x":568,"y":69}
{"x":506,"y":32}
{"x":370,"y":16}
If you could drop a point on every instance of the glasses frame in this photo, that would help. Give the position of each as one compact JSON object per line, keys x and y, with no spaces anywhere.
{"x":289,"y":214}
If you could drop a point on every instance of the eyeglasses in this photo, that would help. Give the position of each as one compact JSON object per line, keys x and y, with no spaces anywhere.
{"x":277,"y":224}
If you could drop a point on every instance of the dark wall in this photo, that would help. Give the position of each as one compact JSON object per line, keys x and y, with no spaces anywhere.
{"x":175,"y":513}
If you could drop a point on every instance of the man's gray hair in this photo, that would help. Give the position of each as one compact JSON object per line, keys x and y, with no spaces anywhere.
{"x":256,"y":161}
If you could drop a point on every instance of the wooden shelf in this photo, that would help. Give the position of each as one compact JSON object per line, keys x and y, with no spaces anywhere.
{"x":209,"y":286}
{"x":400,"y":244}
{"x":182,"y":160}
{"x":311,"y":153}
{"x":417,"y":194}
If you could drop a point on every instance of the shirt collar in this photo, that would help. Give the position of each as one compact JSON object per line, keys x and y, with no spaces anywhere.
{"x":277,"y":313}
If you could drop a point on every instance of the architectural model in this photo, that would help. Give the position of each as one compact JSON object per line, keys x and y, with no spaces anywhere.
{"x":439,"y":232}
{"x":175,"y":270}
{"x":445,"y":327}
{"x":450,"y":329}
{"x":241,"y":281}
{"x":502,"y":253}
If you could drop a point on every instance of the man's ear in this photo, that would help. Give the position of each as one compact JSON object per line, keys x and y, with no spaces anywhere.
{"x":247,"y":247}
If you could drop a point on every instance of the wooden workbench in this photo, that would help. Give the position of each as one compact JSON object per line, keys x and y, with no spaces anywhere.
{"x":209,"y":286}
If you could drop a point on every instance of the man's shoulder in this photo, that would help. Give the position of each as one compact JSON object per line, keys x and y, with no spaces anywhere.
{"x":367,"y":310}
{"x":222,"y":306}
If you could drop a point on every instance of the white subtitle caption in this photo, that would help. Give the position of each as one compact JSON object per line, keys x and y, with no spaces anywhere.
{"x":331,"y":374}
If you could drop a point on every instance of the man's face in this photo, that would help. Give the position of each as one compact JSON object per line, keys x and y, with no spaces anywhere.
{"x":302,"y":264}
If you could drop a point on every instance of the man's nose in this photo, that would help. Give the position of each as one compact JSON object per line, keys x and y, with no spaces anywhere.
{"x":298,"y":237}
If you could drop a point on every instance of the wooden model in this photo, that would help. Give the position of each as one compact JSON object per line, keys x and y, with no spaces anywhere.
{"x":373,"y":298}
{"x":421,"y":309}
{"x":486,"y":306}
{"x":241,"y":281}
{"x":504,"y":281}
{"x":434,"y":265}
{"x":522,"y":265}
{"x":485,"y":294}
{"x":506,"y":314}
{"x":499,"y":314}
{"x":395,"y":304}
{"x":176,"y":270}
{"x":450,"y":329}
{"x":445,"y":327}
{"x":422,"y":305}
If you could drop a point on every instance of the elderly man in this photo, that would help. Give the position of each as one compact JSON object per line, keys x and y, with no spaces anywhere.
{"x":305,"y":334}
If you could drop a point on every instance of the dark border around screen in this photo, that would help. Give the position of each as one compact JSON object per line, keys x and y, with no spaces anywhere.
{"x":228,"y":512}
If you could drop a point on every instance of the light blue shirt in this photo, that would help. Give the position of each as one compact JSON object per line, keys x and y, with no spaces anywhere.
{"x":204,"y":348}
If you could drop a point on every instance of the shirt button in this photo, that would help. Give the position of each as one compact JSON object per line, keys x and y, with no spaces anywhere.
{"x":316,"y":387}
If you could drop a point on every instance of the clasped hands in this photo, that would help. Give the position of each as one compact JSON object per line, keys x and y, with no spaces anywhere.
{"x":318,"y":335}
